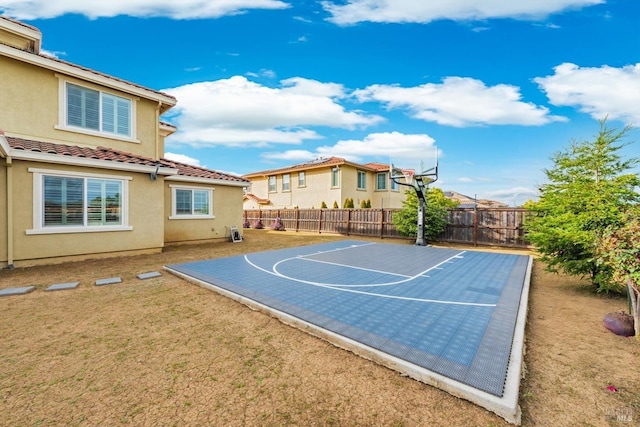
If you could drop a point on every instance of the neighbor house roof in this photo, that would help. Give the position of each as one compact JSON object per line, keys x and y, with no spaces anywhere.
{"x":321,"y":162}
{"x":256,"y":199}
{"x":61,"y":153}
{"x":468,"y":202}
{"x":380,"y":167}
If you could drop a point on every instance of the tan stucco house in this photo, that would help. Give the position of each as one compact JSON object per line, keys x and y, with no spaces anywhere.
{"x":327,"y":180}
{"x":82,"y":172}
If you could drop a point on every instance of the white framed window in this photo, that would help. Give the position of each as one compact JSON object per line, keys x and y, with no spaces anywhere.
{"x":191,"y":203}
{"x":362,"y":180}
{"x":335,"y":177}
{"x":72,"y":202}
{"x":92,"y":111}
{"x":272,"y":184}
{"x":286,"y":182}
{"x":381,"y":181}
{"x":302,"y":179}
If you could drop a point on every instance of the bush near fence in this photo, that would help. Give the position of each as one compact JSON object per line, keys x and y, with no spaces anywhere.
{"x":480,"y":226}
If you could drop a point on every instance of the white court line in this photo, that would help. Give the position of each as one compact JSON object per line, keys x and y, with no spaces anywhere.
{"x":339,"y":287}
{"x":349,"y":266}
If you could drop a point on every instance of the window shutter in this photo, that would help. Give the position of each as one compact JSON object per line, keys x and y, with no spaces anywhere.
{"x":83,"y":108}
{"x":124,"y":117}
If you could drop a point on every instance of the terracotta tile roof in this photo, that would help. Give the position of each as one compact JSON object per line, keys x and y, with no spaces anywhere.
{"x":109,"y":154}
{"x":198,"y":172}
{"x":256,"y":199}
{"x":380,"y":167}
{"x":99,"y":153}
{"x":321,"y":162}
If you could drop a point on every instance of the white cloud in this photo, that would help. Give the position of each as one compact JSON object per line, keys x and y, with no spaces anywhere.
{"x":183,"y":9}
{"x":182,"y":158}
{"x":237,"y":112}
{"x":461,"y":101}
{"x":408,"y":150}
{"x":263,"y":73}
{"x":290,"y":155}
{"x":599,"y":92}
{"x":53,"y":54}
{"x":354,"y":11}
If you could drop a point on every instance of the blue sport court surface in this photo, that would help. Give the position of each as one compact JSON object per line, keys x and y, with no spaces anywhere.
{"x":451,"y":318}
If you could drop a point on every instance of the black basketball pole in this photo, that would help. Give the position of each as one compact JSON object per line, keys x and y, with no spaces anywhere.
{"x":420,"y":186}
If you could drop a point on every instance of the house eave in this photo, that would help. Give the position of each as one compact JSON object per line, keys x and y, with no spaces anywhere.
{"x":92,"y":163}
{"x":5,"y":148}
{"x":27,"y":32}
{"x":199,"y":180}
{"x":103,"y":80}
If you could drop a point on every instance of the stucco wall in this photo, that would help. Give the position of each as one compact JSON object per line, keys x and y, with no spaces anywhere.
{"x":31,"y":110}
{"x":318,"y":189}
{"x":227,"y":210}
{"x":145,"y":216}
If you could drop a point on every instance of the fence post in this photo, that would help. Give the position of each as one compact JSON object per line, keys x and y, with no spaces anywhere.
{"x":297,"y":219}
{"x":381,"y":223}
{"x":320,"y":221}
{"x":475,"y":226}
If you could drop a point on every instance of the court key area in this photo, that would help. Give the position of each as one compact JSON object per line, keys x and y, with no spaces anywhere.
{"x":450,"y":318}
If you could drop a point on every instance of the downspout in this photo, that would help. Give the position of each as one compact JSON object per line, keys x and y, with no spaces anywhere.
{"x":158,"y":131}
{"x":9,"y":162}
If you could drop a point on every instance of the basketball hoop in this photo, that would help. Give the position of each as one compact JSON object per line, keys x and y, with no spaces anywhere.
{"x":397,"y":174}
{"x":408,"y":176}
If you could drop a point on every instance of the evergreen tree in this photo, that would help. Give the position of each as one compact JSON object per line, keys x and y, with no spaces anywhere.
{"x":590,"y":186}
{"x":435,"y":215}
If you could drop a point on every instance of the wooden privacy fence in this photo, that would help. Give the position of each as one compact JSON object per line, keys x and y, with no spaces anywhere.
{"x":487,"y":226}
{"x":490,"y":226}
{"x":359,"y":222}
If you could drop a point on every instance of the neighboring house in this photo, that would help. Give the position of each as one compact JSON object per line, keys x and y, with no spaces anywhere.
{"x":327,"y":180}
{"x":82,"y":172}
{"x":468,"y":202}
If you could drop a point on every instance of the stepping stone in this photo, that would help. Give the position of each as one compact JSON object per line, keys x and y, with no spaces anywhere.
{"x":63,"y":286}
{"x":108,"y":281}
{"x":150,"y":275}
{"x":16,"y":291}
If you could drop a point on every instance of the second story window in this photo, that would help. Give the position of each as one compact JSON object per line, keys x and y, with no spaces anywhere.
{"x":272,"y":184}
{"x":362,"y":180}
{"x":335,"y":177}
{"x":394,"y":185}
{"x":286,"y":182}
{"x":97,"y":111}
{"x":302,"y":179}
{"x":381,"y":181}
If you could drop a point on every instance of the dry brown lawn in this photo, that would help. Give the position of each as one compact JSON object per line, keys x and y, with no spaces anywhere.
{"x":164,"y":352}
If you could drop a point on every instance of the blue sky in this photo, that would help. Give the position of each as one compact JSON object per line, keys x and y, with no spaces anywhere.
{"x":497,"y":86}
